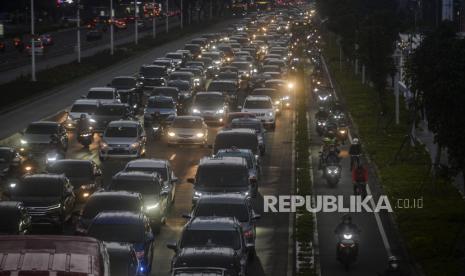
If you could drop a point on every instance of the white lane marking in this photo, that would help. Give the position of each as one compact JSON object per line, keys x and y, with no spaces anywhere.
{"x":172,"y":157}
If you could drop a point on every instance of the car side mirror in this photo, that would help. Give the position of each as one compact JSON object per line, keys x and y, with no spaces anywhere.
{"x":186,"y":216}
{"x":172,"y":245}
{"x":149,"y":237}
{"x":256,"y":217}
{"x":191,"y":180}
{"x":174,"y":180}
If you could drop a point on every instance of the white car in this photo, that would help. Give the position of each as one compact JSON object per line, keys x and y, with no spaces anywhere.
{"x":263,"y":109}
{"x":79,"y":107}
{"x":103,"y":95}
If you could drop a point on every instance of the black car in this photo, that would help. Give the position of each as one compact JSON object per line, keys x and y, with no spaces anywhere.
{"x":254,"y":124}
{"x":48,"y":198}
{"x":84,"y":175}
{"x":241,"y":138}
{"x":15,"y":219}
{"x":222,"y":175}
{"x":212,"y":261}
{"x":157,"y":197}
{"x":123,"y":259}
{"x":107,"y":112}
{"x":210,"y":233}
{"x":10,"y":162}
{"x":153,"y":75}
{"x":229,"y":88}
{"x":129,"y":89}
{"x":102,"y":201}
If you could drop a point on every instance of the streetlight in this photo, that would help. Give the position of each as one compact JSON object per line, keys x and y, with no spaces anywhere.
{"x":182,"y":14}
{"x":78,"y":23}
{"x":136,"y":9}
{"x":167,"y":16}
{"x":154,"y":21}
{"x":33,"y":48}
{"x":112,"y":19}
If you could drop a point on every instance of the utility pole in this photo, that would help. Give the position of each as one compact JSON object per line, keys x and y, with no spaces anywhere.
{"x":211,"y":9}
{"x":78,"y":20}
{"x":167,"y":16}
{"x":112,"y":30}
{"x":396,"y":91}
{"x":136,"y":27}
{"x":154,"y":22}
{"x":182,"y":14}
{"x":33,"y":46}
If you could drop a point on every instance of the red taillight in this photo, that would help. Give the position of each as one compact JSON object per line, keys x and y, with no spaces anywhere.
{"x":248,"y":234}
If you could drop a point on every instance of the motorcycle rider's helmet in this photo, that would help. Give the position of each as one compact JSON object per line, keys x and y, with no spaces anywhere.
{"x":355,"y":141}
{"x":393,"y":263}
{"x":346,"y":219}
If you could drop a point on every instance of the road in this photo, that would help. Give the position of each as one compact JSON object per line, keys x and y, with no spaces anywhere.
{"x":14,"y":64}
{"x":272,"y":230}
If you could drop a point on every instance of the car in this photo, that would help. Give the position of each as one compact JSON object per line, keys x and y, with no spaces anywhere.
{"x":39,"y":47}
{"x":80,"y":107}
{"x":164,"y":106}
{"x":94,"y":34}
{"x":102,"y":201}
{"x":127,"y":228}
{"x":129,"y":89}
{"x":210,"y":233}
{"x":211,"y":106}
{"x":48,"y":198}
{"x":178,"y":58}
{"x":46,"y":39}
{"x":230,"y":205}
{"x":241,"y":138}
{"x":169,"y":64}
{"x":228,"y":75}
{"x":123,"y":139}
{"x":199,"y":75}
{"x":246,"y":69}
{"x":216,"y":56}
{"x":123,"y":259}
{"x":187,"y":130}
{"x":156,"y":196}
{"x":284,"y":89}
{"x":152,"y":75}
{"x":229,"y":88}
{"x":275,"y":95}
{"x":211,"y":261}
{"x":108,"y":112}
{"x":194,"y":49}
{"x":262,"y":107}
{"x":84,"y":175}
{"x":234,"y":115}
{"x":201,"y":41}
{"x":15,"y":219}
{"x":103,"y":95}
{"x":196,"y":64}
{"x":53,"y":255}
{"x":10,"y":162}
{"x":254,"y":124}
{"x":187,"y":55}
{"x":38,"y":135}
{"x":159,"y":166}
{"x":186,"y":88}
{"x":182,"y":76}
{"x":222,"y":175}
{"x":253,"y":161}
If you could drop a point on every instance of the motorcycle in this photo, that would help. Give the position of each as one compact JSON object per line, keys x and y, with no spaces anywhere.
{"x":332,"y":173}
{"x":347,"y":250}
{"x":86,"y":137}
{"x":360,"y":189}
{"x":320,"y":126}
{"x":342,"y":134}
{"x":52,"y":156}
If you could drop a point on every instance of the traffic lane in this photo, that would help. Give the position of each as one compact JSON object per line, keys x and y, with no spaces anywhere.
{"x":372,"y":256}
{"x":60,"y":98}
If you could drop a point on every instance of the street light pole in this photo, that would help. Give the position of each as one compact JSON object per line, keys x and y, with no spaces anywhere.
{"x":33,"y":48}
{"x":167,"y":16}
{"x":78,"y":20}
{"x":136,"y":28}
{"x":182,"y":14}
{"x":154,"y":21}
{"x":112,"y":21}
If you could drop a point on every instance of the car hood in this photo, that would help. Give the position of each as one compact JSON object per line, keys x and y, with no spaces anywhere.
{"x":257,"y":110}
{"x":186,"y":131}
{"x":120,"y":140}
{"x":37,"y":138}
{"x":37,"y":201}
{"x":160,"y":110}
{"x":225,"y":189}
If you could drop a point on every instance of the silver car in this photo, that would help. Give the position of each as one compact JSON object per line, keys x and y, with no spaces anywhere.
{"x":187,"y":130}
{"x":123,"y":139}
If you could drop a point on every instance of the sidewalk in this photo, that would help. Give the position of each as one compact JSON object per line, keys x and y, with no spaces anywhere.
{"x":426,"y":137}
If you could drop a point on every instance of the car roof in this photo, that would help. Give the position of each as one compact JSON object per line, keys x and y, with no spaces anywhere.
{"x":245,"y":151}
{"x":135,"y":175}
{"x":188,"y":117}
{"x":118,"y":217}
{"x":125,"y":77}
{"x":212,"y":223}
{"x":236,"y":131}
{"x":32,"y":177}
{"x":103,"y":88}
{"x":161,"y":98}
{"x":227,"y":160}
{"x":201,"y":256}
{"x":153,"y":66}
{"x":264,"y":89}
{"x":258,"y":98}
{"x":227,"y":198}
{"x":155,"y":163}
{"x":72,"y":161}
{"x":124,"y":123}
{"x":210,"y":93}
{"x":118,"y":248}
{"x":86,"y":102}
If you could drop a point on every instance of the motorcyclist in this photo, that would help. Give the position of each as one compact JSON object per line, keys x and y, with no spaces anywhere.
{"x":359,"y":175}
{"x":83,"y":124}
{"x":322,"y":114}
{"x":55,"y":144}
{"x":346,"y":226}
{"x":393,"y":268}
{"x":355,"y":151}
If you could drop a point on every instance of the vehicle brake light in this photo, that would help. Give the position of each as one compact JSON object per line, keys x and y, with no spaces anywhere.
{"x":140,"y":254}
{"x":248,"y":234}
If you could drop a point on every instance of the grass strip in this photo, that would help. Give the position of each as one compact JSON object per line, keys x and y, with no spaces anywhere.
{"x":432,"y":233}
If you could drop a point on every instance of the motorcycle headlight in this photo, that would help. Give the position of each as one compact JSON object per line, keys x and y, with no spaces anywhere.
{"x":270,"y":113}
{"x":103,"y":145}
{"x":197,"y":194}
{"x":155,"y":128}
{"x":152,"y":206}
{"x":135,"y":145}
{"x":23,"y":142}
{"x":195,"y":111}
{"x":199,"y":135}
{"x":171,"y":134}
{"x":347,"y":236}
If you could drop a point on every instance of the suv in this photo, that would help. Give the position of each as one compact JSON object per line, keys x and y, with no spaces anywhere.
{"x":79,"y":107}
{"x":101,"y":201}
{"x":163,"y":105}
{"x":241,"y":138}
{"x":262,"y":107}
{"x":48,"y":198}
{"x":153,"y":75}
{"x":82,"y":174}
{"x":123,"y":139}
{"x":157,"y":197}
{"x":209,"y":233}
{"x":37,"y":137}
{"x":220,"y":175}
{"x":211,"y":106}
{"x":103,"y":94}
{"x":211,"y":261}
{"x":253,"y":163}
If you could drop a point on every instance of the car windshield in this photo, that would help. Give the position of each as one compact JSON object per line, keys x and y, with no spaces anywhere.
{"x":271,"y":69}
{"x":99,"y":204}
{"x":152,"y":71}
{"x":241,"y":65}
{"x":174,"y":56}
{"x":5,"y":155}
{"x":161,"y":171}
{"x":238,"y":211}
{"x":222,"y":176}
{"x":117,"y":232}
{"x":72,"y":169}
{"x":210,"y":238}
{"x":227,"y":76}
{"x":257,"y":104}
{"x":187,"y":123}
{"x":121,"y":131}
{"x":192,"y":47}
{"x":160,"y":104}
{"x":144,"y":187}
{"x":239,"y":140}
{"x":181,"y":85}
{"x":111,"y":110}
{"x":165,"y":92}
{"x":84,"y":108}
{"x":122,"y":82}
{"x":207,"y":101}
{"x":257,"y":126}
{"x":102,"y":95}
{"x":222,"y":86}
{"x":185,"y":77}
{"x":41,"y":129}
{"x":38,"y":188}
{"x":237,"y":154}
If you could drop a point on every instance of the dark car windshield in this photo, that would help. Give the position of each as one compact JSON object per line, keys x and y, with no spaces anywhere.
{"x":5,"y":155}
{"x":239,"y":211}
{"x":118,"y":232}
{"x":161,"y":171}
{"x":99,"y":204}
{"x":210,"y":238}
{"x":111,"y":110}
{"x":239,"y":140}
{"x":247,"y":157}
{"x":185,"y":77}
{"x":241,"y":65}
{"x":222,"y":176}
{"x":38,"y":188}
{"x":140,"y":186}
{"x":257,"y":126}
{"x":166,"y":92}
{"x":160,"y":104}
{"x":106,"y":95}
{"x":124,"y":83}
{"x":187,"y":123}
{"x":152,"y":71}
{"x":222,"y":87}
{"x":257,"y":104}
{"x":72,"y":169}
{"x":208,"y":101}
{"x":121,"y":132}
{"x":41,"y":129}
{"x":174,"y":56}
{"x":84,"y":108}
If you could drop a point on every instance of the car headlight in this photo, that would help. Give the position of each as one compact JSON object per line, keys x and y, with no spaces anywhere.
{"x":155,"y":128}
{"x":152,"y":206}
{"x":195,"y":111}
{"x":290,"y":85}
{"x":135,"y":145}
{"x":286,"y":98}
{"x":171,"y":134}
{"x":103,"y":145}
{"x":92,"y":120}
{"x":347,"y":236}
{"x":277,"y":102}
{"x":199,"y":135}
{"x":23,"y":142}
{"x":52,"y":158}
{"x":255,"y":70}
{"x":217,"y":62}
{"x":197,"y":194}
{"x":220,"y":111}
{"x":343,"y":131}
